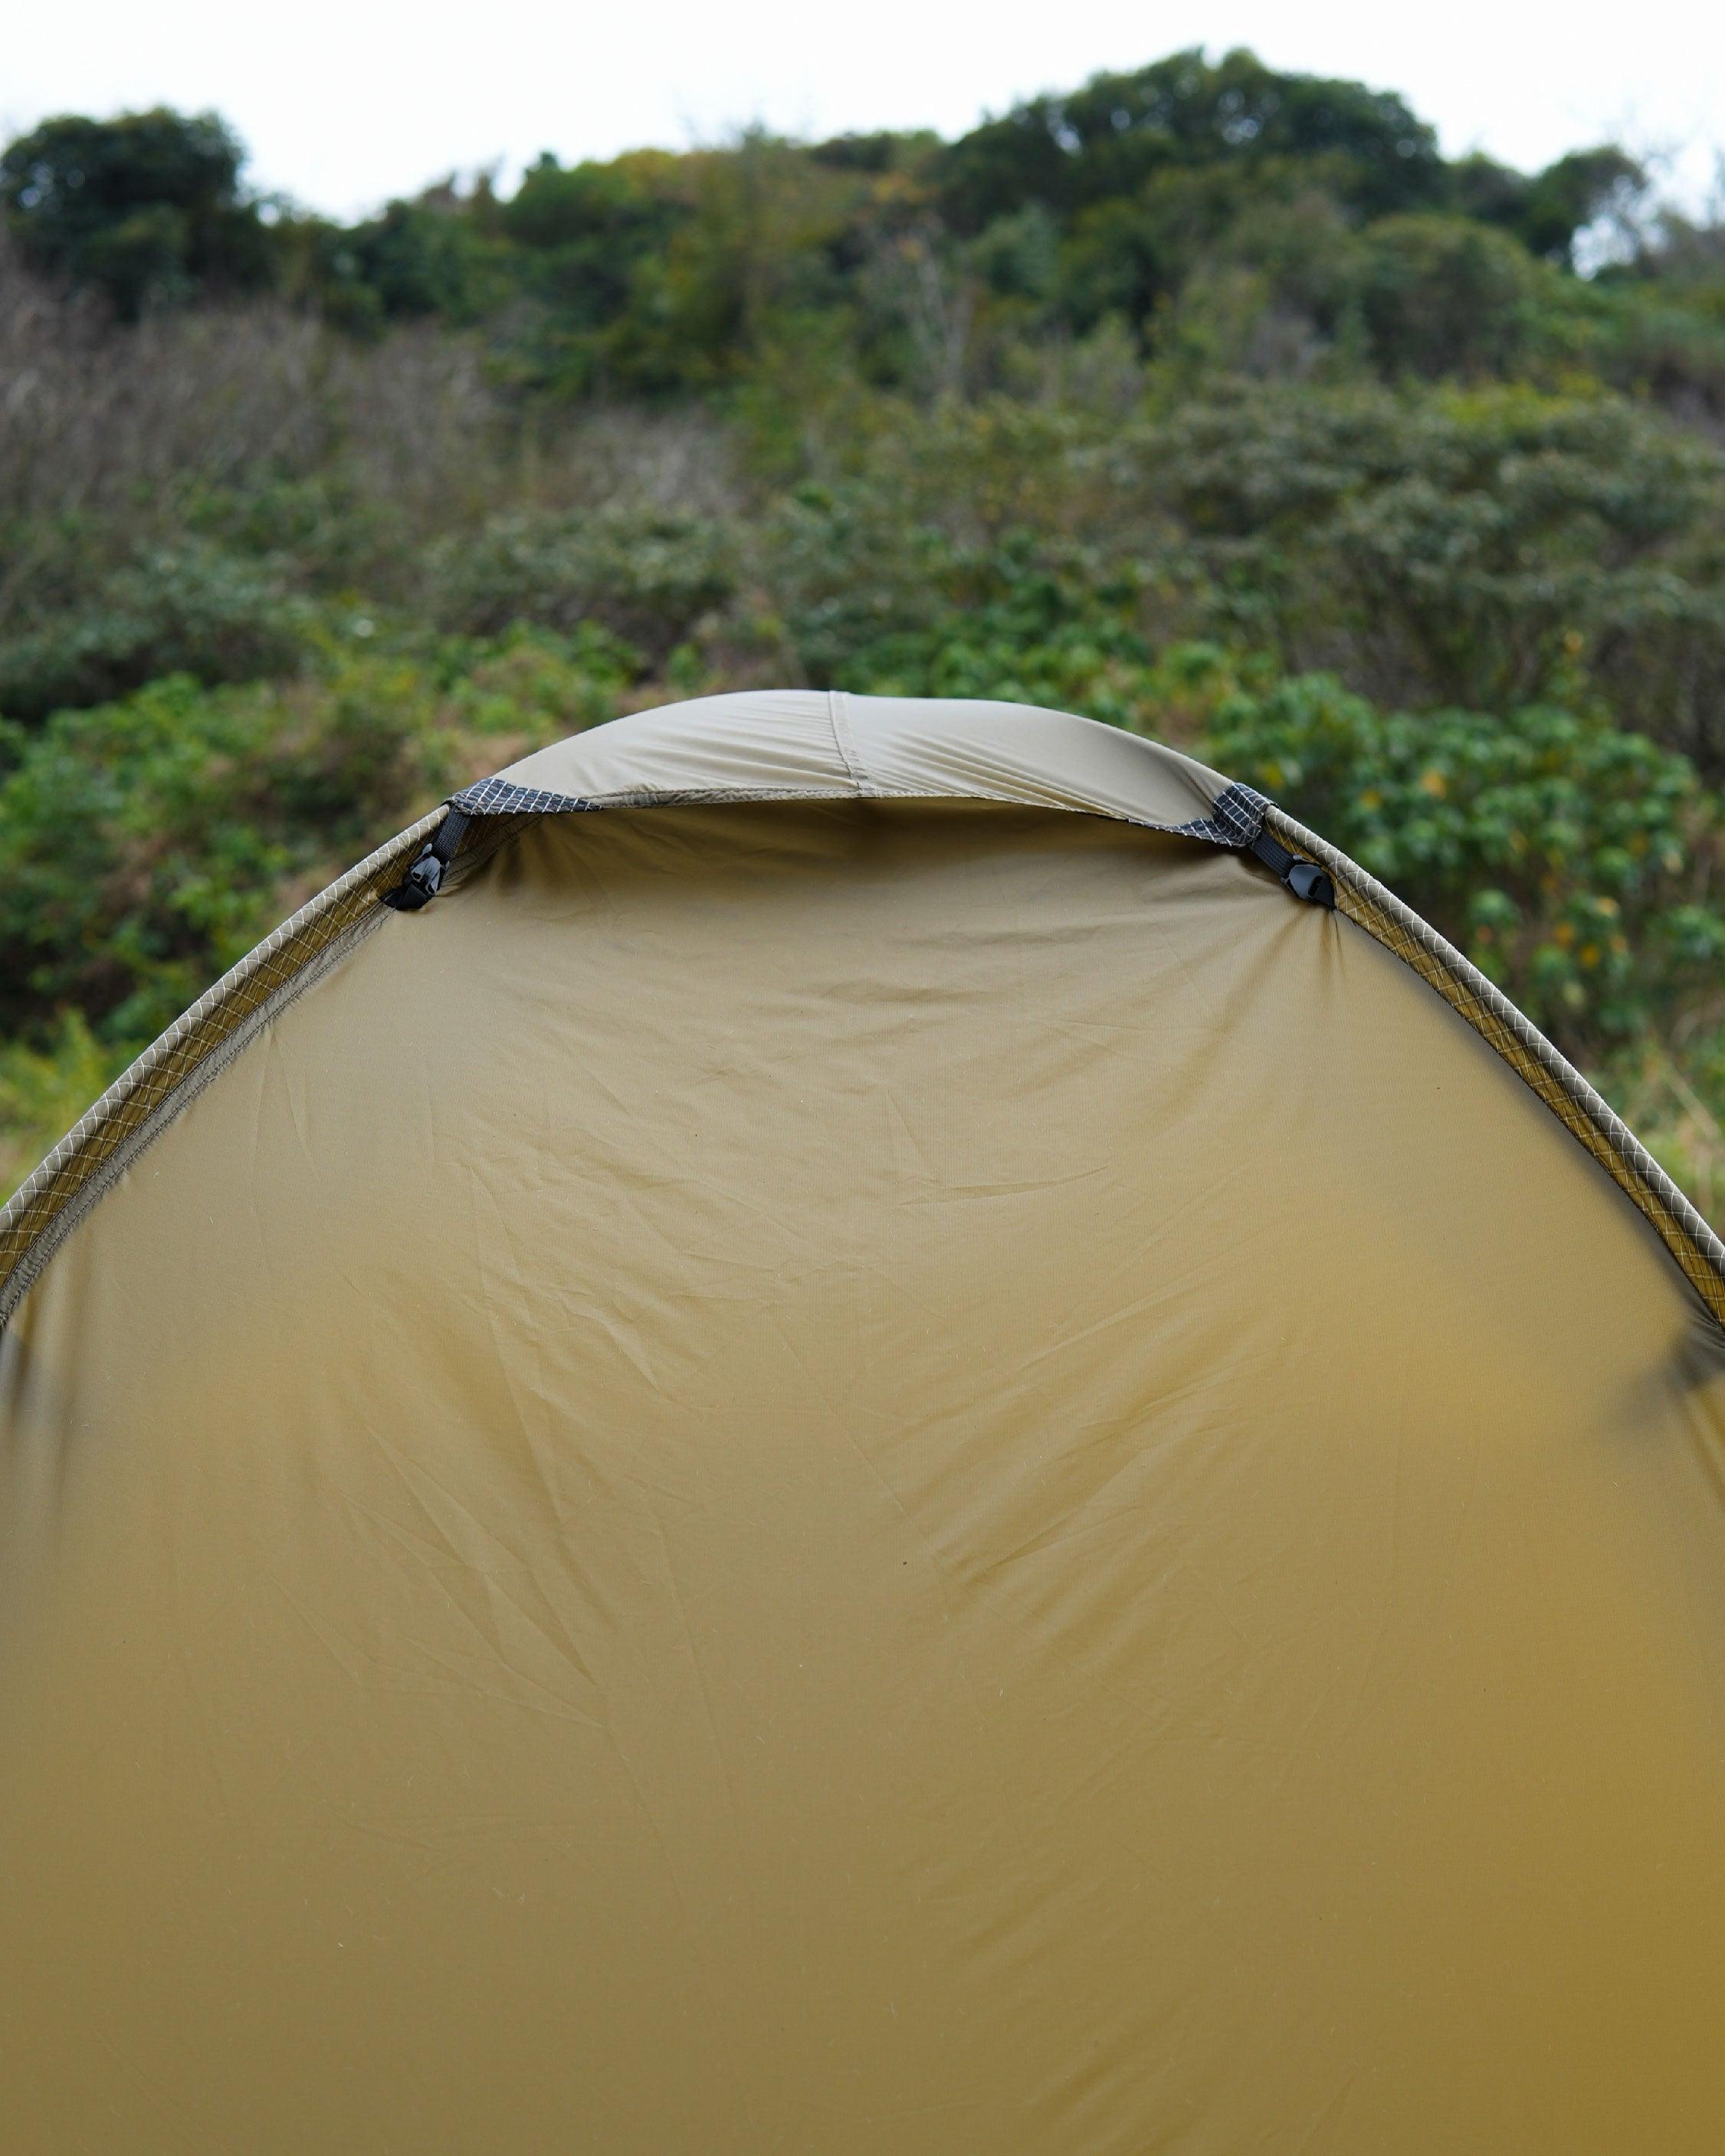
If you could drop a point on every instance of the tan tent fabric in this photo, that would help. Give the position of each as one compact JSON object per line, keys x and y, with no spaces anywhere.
{"x":868,"y":1473}
{"x":800,"y":744}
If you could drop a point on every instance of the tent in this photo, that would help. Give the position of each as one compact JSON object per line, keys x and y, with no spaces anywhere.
{"x":837,"y":1424}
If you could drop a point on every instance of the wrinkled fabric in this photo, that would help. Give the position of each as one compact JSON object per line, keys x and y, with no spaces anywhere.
{"x":797,"y":744}
{"x":863,"y":1477}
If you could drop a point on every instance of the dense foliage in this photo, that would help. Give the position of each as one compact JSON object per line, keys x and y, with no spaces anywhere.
{"x":1209,"y":402}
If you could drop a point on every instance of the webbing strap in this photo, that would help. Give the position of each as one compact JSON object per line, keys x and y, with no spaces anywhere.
{"x":424,"y":878}
{"x":1305,"y":879}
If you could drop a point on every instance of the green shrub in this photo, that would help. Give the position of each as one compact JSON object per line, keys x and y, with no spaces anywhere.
{"x":149,"y":843}
{"x":1443,"y":296}
{"x":881,"y":592}
{"x":1488,"y":548}
{"x":531,"y":687}
{"x":647,"y":576}
{"x":1018,"y":622}
{"x":1670,"y":1091}
{"x":190,"y":609}
{"x":1570,"y":861}
{"x":44,"y":1091}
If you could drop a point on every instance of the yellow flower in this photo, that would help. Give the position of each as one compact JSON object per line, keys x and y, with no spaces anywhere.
{"x":1435,"y":783}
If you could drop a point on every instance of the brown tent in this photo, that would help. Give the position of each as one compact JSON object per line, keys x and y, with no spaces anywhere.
{"x":933,"y":1440}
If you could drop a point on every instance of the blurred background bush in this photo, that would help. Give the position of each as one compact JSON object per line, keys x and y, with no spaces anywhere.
{"x":1212,"y":403}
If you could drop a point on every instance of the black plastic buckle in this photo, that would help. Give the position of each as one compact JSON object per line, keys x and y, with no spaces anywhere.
{"x":419,"y":887}
{"x":425,"y":879}
{"x":1305,"y":879}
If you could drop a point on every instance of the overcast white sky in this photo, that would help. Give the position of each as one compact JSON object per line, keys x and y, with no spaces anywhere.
{"x":345,"y":102}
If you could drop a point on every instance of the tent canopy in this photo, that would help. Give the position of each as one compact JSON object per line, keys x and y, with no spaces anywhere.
{"x":868,"y":1448}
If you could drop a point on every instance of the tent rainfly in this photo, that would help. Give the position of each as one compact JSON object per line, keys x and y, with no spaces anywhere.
{"x":852,"y":1425}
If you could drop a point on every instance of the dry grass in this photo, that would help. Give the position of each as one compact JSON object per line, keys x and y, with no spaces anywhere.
{"x":109,"y":436}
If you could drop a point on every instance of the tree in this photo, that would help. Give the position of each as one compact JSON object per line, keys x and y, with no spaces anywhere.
{"x":428,"y":256}
{"x":1443,"y":295}
{"x":585,"y":229}
{"x":1546,"y":212}
{"x":1568,"y":196}
{"x":147,"y":208}
{"x":1107,"y":139}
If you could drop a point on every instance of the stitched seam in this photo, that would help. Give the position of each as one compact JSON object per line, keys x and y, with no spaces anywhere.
{"x":838,"y":718}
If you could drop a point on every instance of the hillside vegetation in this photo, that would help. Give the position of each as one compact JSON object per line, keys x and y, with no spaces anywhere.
{"x":1209,"y":402}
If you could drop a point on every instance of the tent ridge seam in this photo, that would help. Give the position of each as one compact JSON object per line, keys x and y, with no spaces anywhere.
{"x":844,"y":738}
